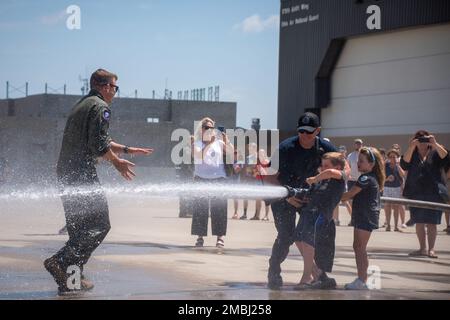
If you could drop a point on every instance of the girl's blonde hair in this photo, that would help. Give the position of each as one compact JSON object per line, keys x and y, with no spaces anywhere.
{"x":374,"y":156}
{"x":198,"y":131}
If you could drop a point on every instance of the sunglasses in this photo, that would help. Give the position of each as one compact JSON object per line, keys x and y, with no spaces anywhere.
{"x":207,"y":128}
{"x":305,"y":131}
{"x":116,"y":88}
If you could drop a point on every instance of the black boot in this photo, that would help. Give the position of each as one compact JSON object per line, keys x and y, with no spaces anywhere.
{"x":275,"y":281}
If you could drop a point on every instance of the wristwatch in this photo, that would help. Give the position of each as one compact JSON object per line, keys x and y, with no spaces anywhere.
{"x":126,"y":149}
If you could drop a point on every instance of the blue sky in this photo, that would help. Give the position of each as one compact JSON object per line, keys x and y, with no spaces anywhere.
{"x":191,"y":43}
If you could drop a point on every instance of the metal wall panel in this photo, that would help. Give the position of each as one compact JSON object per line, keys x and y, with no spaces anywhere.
{"x":305,"y":43}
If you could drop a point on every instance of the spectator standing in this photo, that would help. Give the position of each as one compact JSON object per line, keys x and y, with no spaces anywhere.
{"x":425,"y":160}
{"x":393,"y":188}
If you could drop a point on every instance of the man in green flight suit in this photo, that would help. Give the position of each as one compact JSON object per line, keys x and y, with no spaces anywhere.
{"x":85,"y":140}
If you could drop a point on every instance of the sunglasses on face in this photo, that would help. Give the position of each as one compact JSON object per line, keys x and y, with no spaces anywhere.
{"x":207,"y":128}
{"x":116,"y":88}
{"x":304,"y":131}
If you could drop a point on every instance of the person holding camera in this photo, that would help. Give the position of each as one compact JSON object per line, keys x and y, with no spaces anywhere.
{"x":425,"y":160}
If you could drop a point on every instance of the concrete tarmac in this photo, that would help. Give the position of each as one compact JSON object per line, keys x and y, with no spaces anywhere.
{"x":150,"y":254}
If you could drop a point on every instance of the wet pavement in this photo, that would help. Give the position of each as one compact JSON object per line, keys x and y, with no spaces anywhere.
{"x":149,"y":254}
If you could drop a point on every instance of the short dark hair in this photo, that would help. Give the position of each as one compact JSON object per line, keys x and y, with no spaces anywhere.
{"x":101,"y":77}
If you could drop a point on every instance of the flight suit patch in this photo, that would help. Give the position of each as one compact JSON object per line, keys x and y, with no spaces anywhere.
{"x":106,"y":115}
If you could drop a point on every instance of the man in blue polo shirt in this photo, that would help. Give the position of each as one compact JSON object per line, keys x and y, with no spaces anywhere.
{"x":299,"y":158}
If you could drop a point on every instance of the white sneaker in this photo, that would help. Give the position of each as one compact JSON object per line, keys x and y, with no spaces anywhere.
{"x":404,"y":226}
{"x":357,"y":284}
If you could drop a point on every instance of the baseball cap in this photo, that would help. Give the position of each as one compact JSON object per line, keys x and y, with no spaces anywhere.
{"x":308,"y":122}
{"x":358,"y":141}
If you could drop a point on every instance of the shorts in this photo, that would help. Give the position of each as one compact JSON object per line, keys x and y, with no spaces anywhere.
{"x":305,"y":229}
{"x":366,"y":221}
{"x":392,"y":192}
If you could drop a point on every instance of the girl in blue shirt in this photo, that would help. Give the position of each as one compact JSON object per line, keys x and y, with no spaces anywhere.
{"x":366,"y":209}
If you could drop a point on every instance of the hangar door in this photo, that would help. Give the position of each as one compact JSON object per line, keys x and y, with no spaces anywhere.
{"x":391,"y":83}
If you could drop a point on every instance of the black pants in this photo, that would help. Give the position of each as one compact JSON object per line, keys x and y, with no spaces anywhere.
{"x":186,"y":207}
{"x":201,"y":208}
{"x":284,"y":215}
{"x":87,"y":221}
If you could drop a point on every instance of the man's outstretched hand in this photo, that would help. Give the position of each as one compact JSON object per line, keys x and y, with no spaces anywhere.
{"x":140,"y":151}
{"x":125,"y":168}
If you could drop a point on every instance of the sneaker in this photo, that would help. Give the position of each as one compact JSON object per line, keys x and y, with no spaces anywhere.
{"x":243,"y":217}
{"x":220,"y":243}
{"x":357,"y":284}
{"x":404,"y":226}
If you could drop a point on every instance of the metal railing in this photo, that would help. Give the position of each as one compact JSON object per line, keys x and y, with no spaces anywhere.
{"x":417,"y":203}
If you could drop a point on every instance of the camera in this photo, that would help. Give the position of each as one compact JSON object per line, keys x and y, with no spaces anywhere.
{"x":424,"y":139}
{"x":221,"y":128}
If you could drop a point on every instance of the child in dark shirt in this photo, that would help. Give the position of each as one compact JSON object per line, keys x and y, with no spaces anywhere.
{"x":315,"y":233}
{"x":366,"y":209}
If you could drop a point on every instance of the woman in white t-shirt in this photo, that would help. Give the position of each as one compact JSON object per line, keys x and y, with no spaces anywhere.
{"x":210,"y":149}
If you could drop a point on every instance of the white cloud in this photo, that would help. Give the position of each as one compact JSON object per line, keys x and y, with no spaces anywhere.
{"x":54,"y":18}
{"x":255,"y":24}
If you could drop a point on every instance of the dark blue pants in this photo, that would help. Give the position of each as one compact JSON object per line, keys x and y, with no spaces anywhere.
{"x":284,"y":215}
